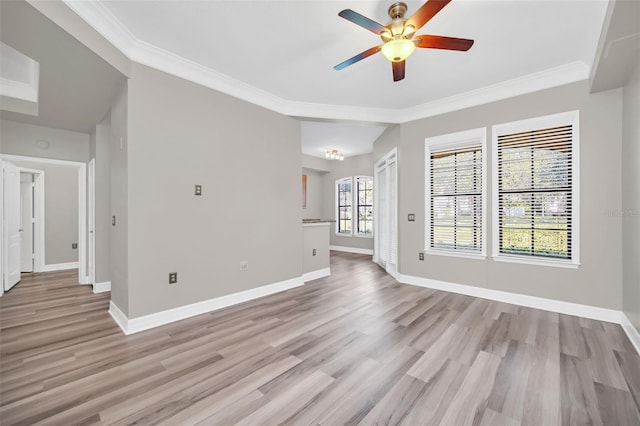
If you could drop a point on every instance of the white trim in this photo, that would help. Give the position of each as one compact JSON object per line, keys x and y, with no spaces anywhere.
{"x":352,"y":250}
{"x":536,"y":262}
{"x":310,"y":224}
{"x":450,"y":141}
{"x":105,"y":23}
{"x":39,"y":192}
{"x":453,"y":253}
{"x":632,"y":333}
{"x":317,"y":274}
{"x":118,"y":316}
{"x":339,"y":182}
{"x":82,"y":205}
{"x":60,"y":266}
{"x":569,"y":117}
{"x":102,"y":287}
{"x":19,"y":90}
{"x":11,"y":157}
{"x":91,"y":221}
{"x":146,"y":322}
{"x":569,"y":308}
{"x":82,"y":224}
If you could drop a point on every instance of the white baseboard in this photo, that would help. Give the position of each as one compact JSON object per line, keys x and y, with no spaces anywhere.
{"x":118,"y":316}
{"x":314,"y":275}
{"x":352,"y":250}
{"x":135,"y":325}
{"x":585,"y":311}
{"x":102,"y":287}
{"x":59,"y":266}
{"x":632,"y":332}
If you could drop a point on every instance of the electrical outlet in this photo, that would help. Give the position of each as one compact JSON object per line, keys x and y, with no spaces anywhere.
{"x":173,"y":277}
{"x":113,"y":220}
{"x":198,"y":189}
{"x":411,"y":217}
{"x":74,"y":245}
{"x":244,"y":265}
{"x":421,"y":256}
{"x":314,"y":252}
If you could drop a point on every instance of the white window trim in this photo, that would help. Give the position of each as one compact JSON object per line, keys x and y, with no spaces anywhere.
{"x":554,"y":120}
{"x":451,"y":141}
{"x":337,"y":198}
{"x":354,"y":215}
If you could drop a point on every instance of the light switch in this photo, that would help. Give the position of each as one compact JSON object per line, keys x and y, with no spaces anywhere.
{"x":412,"y":217}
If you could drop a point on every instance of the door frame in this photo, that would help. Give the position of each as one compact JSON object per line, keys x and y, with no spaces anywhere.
{"x":82,"y":204}
{"x":390,"y":214}
{"x":91,"y":221}
{"x":39,"y":215}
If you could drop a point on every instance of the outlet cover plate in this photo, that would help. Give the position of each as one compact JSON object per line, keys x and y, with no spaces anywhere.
{"x":173,"y":277}
{"x":411,"y":217}
{"x":421,"y":256}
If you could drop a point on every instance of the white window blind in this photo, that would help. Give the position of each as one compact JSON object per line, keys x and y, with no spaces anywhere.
{"x":535,"y":192}
{"x":455,"y":202}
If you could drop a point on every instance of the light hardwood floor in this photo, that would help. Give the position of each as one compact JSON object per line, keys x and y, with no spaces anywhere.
{"x":356,"y":347}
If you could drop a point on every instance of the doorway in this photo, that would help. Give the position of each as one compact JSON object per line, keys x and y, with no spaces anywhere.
{"x":11,"y":218}
{"x":32,"y":222}
{"x":386,"y":213}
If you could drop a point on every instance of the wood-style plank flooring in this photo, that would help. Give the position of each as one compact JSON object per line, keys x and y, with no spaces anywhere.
{"x":353,"y":348}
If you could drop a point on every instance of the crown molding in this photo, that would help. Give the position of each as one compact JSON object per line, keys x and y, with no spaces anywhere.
{"x":103,"y":21}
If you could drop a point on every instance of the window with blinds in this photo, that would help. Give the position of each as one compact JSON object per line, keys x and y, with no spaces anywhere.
{"x":535,"y":197}
{"x":344,"y":200}
{"x":455,"y":193}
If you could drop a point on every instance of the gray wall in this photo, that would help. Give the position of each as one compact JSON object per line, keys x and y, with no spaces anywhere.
{"x":631,"y":198}
{"x":61,"y":182}
{"x":22,"y":139}
{"x":598,"y":280}
{"x":316,"y":236}
{"x":118,"y":160}
{"x":247,"y":160}
{"x":314,"y":195}
{"x":360,"y":165}
{"x":100,"y":150}
{"x":60,"y":211}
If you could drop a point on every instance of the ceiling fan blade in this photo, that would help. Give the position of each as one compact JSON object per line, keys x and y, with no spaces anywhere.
{"x":358,"y":57}
{"x":363,"y":21}
{"x":441,"y":42}
{"x":426,"y":12}
{"x":398,"y":70}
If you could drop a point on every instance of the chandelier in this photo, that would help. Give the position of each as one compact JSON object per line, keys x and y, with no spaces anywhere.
{"x":334,"y":154}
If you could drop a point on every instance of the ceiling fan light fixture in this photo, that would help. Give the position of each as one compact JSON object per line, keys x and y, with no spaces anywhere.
{"x":398,"y":50}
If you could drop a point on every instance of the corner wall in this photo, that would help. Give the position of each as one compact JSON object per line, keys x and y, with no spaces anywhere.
{"x":630,"y":213}
{"x":360,"y":165}
{"x":597,"y":281}
{"x":247,"y":160}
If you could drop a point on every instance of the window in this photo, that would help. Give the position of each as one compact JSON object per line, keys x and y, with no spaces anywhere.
{"x":455,"y":186}
{"x":354,"y":207}
{"x":343,"y":203}
{"x":364,"y":197}
{"x":535,"y":186}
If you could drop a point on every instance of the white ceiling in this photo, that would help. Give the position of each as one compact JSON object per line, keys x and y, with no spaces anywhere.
{"x":349,"y":139}
{"x":287,"y":49}
{"x":280,"y":54}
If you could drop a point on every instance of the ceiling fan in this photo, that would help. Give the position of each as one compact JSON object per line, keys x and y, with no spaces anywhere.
{"x":398,"y":35}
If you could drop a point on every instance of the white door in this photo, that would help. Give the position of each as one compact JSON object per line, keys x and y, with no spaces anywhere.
{"x":386,"y":219}
{"x":91,"y":219}
{"x":11,"y":224}
{"x":26,"y":222}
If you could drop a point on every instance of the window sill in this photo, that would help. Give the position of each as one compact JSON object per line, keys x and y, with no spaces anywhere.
{"x":353,"y":235}
{"x":537,"y":262}
{"x":479,"y":256}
